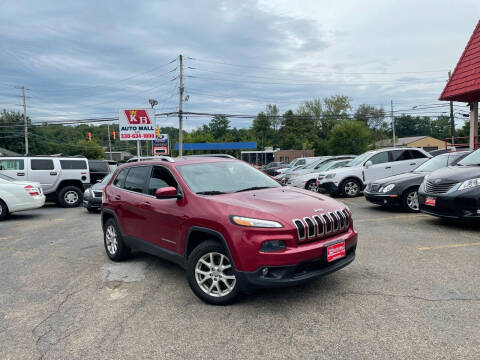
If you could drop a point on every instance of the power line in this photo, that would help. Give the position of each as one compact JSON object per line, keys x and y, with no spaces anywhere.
{"x":315,"y":72}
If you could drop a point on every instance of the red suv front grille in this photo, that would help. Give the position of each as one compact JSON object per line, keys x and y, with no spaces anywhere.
{"x":320,"y":226}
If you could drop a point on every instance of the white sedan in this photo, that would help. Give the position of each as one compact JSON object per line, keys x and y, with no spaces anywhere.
{"x":18,"y":196}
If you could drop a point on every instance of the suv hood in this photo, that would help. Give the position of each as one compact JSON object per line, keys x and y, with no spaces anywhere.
{"x":344,"y":170}
{"x":455,"y":174}
{"x":284,"y":203}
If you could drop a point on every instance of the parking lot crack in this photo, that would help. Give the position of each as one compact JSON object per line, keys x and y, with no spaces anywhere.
{"x":409,"y":296}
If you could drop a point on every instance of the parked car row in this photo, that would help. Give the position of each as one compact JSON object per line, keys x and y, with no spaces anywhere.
{"x":54,"y":178}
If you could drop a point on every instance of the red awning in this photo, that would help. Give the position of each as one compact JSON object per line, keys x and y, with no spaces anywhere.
{"x":464,"y":84}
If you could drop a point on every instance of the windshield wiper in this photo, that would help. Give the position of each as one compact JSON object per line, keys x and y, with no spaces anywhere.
{"x":211,"y":192}
{"x":255,"y":188}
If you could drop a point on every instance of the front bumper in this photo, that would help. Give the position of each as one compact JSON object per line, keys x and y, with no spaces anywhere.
{"x":92,"y":202}
{"x":328,"y":187}
{"x":289,"y":275}
{"x":383,"y":199}
{"x":456,"y":205}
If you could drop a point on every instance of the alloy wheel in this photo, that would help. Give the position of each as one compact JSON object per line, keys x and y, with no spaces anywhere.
{"x":351,"y":188}
{"x":71,"y":197}
{"x":111,"y":239}
{"x":412,"y":201}
{"x":214,"y":274}
{"x":312,"y":186}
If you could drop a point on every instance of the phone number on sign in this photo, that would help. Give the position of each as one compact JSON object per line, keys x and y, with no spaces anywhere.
{"x":137,"y":136}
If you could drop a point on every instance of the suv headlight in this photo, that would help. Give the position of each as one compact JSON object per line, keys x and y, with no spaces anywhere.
{"x":330,"y":176}
{"x":467,"y":184}
{"x":251,"y":222}
{"x":388,"y":188}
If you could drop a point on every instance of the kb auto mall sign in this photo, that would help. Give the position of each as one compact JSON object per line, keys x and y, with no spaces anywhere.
{"x":137,"y":124}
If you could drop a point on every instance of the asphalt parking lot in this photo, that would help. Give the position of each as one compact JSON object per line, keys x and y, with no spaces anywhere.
{"x":411,"y":293}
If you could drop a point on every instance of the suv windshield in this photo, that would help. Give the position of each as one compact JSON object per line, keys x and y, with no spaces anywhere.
{"x":359,"y":159}
{"x":224,"y":177}
{"x":471,"y":160}
{"x":106,"y":179}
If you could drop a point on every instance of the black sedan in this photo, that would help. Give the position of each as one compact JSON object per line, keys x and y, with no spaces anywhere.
{"x":453,"y":192}
{"x":401,"y":190}
{"x":92,"y":197}
{"x":271,"y":168}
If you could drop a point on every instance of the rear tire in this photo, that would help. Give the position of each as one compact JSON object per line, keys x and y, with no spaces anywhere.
{"x":112,"y":239}
{"x":3,"y":211}
{"x":69,"y":197}
{"x":311,"y":185}
{"x":92,"y":210}
{"x":410,"y":200}
{"x":211,"y":274}
{"x":351,"y":188}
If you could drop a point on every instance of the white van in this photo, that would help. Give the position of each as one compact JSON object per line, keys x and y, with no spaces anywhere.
{"x":370,"y":166}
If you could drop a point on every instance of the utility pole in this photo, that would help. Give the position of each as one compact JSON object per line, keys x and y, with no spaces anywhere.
{"x":109,"y":141}
{"x":180,"y":109}
{"x":393,"y":123}
{"x":24,"y":117}
{"x":452,"y":118}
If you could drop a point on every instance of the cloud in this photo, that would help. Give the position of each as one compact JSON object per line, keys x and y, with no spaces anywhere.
{"x":90,"y":57}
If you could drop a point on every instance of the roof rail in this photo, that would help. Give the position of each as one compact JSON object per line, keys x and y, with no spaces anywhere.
{"x":213,"y":155}
{"x":166,"y":158}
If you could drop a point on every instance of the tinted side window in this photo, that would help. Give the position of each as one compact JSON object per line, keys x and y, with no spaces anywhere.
{"x":399,"y":155}
{"x":160,"y":178}
{"x":73,"y":164}
{"x":415,"y":154}
{"x":98,"y":166}
{"x":379,"y":158}
{"x":136,"y":178}
{"x":41,"y":164}
{"x":300,"y":162}
{"x":11,"y":165}
{"x":120,"y":179}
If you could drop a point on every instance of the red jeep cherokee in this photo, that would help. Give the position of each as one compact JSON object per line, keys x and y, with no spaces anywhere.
{"x":231,"y":226}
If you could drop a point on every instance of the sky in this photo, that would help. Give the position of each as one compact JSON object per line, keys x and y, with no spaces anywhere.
{"x":87,"y":59}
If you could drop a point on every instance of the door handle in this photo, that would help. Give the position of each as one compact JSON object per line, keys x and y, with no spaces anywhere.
{"x":117,"y":197}
{"x":413,"y":163}
{"x":146,"y":204}
{"x":20,"y":174}
{"x":388,"y":167}
{"x":53,"y":173}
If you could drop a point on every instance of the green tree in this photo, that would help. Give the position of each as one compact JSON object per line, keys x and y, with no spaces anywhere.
{"x":374,"y":118}
{"x":262,"y":129}
{"x":349,"y":137}
{"x":219,"y":126}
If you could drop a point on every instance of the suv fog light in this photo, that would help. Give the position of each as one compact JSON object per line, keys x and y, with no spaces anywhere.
{"x":272,"y":245}
{"x":264,"y":271}
{"x":478,"y":211}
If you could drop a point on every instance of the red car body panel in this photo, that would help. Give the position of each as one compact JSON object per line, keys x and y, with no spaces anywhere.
{"x":167,"y":223}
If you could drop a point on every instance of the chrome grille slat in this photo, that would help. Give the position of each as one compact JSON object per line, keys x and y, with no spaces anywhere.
{"x":320,"y":225}
{"x":432,"y":188}
{"x":323,"y":225}
{"x":300,"y":229}
{"x":310,"y":227}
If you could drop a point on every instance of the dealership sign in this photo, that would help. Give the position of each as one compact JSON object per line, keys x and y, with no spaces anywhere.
{"x":137,"y":124}
{"x":160,"y":145}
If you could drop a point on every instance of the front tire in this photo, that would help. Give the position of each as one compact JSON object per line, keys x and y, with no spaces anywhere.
{"x":70,"y":196}
{"x":311,"y":185}
{"x":211,"y":275}
{"x":410,"y":200}
{"x":3,"y":211}
{"x":113,"y":241}
{"x":351,"y":188}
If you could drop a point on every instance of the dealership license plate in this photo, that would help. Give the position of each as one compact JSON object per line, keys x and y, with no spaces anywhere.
{"x":430,"y":201}
{"x":336,"y":251}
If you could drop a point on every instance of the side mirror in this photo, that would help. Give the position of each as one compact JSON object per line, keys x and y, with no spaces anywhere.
{"x":368,"y":164}
{"x":168,"y":192}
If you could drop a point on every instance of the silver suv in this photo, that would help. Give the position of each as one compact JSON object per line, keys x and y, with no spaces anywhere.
{"x":63,"y":179}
